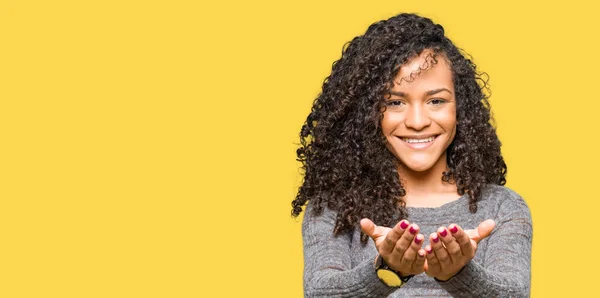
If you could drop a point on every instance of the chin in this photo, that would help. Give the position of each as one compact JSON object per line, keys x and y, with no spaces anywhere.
{"x":417,"y":167}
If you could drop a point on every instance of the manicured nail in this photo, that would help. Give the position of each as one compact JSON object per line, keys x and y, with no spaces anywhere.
{"x":454,"y":229}
{"x":436,"y":239}
{"x":418,"y":240}
{"x":412,"y":230}
{"x":444,"y":233}
{"x":403,"y":225}
{"x":429,"y":250}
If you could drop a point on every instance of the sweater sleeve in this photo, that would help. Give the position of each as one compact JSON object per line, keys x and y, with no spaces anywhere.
{"x":506,"y":267}
{"x":327,"y":262}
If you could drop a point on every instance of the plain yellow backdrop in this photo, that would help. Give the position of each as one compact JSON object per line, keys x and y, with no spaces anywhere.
{"x":147,"y":148}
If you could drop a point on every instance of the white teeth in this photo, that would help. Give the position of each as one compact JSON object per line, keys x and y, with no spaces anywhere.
{"x":430,"y":139}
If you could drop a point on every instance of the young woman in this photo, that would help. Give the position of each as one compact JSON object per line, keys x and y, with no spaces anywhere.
{"x":399,"y":147}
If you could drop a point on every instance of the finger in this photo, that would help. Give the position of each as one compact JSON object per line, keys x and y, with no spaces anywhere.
{"x":440,"y":250}
{"x":392,"y":237}
{"x":372,"y":230}
{"x":451,"y":245}
{"x":463,"y":241}
{"x":405,"y":241}
{"x":419,"y":264}
{"x":484,"y":229}
{"x":433,"y":265}
{"x":410,"y":255}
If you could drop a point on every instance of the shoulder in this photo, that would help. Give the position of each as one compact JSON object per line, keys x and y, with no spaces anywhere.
{"x":318,"y":219}
{"x":507,"y":208}
{"x":499,"y":194}
{"x":320,"y":212}
{"x":504,"y":201}
{"x":318,"y":227}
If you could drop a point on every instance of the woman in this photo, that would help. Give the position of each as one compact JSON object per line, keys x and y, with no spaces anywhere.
{"x":399,"y":147}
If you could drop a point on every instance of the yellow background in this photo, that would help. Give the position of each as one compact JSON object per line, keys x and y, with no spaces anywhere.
{"x":147,"y":148}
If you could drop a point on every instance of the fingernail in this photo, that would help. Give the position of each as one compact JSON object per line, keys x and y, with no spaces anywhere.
{"x":421,"y":254}
{"x":418,"y":240}
{"x":429,"y":250}
{"x":403,"y":225}
{"x":454,"y":229}
{"x":436,"y":239}
{"x":444,"y":233}
{"x":412,"y":230}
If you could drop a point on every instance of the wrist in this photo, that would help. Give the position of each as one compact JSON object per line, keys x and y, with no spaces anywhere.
{"x":388,"y":275}
{"x":381,"y":262}
{"x":446,"y":278}
{"x":442,"y":279}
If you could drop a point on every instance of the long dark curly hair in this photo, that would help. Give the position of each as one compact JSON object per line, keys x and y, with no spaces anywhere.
{"x":345,"y":162}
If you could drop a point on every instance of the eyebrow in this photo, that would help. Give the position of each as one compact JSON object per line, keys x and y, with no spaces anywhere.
{"x":429,"y":93}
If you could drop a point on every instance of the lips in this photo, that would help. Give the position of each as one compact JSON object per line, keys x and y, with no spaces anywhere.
{"x":414,"y":140}
{"x":418,"y":142}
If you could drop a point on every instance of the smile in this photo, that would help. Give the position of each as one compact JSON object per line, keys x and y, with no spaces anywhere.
{"x":418,"y":143}
{"x":414,"y":141}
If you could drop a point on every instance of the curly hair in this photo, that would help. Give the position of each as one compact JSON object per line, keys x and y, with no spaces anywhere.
{"x":345,"y":162}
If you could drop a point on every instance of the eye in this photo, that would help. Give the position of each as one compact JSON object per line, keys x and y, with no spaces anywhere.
{"x":394,"y":103}
{"x":437,"y":101}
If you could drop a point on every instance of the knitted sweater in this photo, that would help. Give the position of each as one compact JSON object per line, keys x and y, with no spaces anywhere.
{"x":342,"y":266}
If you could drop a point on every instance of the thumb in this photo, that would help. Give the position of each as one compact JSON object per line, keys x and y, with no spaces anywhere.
{"x":367,"y":226}
{"x":377,"y":233}
{"x":484,"y":229}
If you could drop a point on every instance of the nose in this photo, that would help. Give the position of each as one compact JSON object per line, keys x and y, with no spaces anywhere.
{"x":417,"y":118}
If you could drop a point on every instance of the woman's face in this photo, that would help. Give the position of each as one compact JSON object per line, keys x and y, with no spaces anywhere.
{"x":419,"y":122}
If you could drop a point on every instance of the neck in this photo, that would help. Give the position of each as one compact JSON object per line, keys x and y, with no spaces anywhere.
{"x":426,"y":189}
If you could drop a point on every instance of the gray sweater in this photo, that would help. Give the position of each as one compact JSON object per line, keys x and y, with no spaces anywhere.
{"x":343,"y":267}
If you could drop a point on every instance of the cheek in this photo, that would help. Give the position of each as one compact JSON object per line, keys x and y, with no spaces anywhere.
{"x":449,"y":120}
{"x":453,"y":133}
{"x":386,"y":126}
{"x":389,"y":122}
{"x":451,"y":128}
{"x":451,"y":123}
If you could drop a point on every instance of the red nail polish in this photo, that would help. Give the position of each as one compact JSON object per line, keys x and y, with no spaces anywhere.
{"x":412,"y":230}
{"x":444,"y":233}
{"x":429,"y":250}
{"x":454,"y":229}
{"x":403,"y":225}
{"x":418,"y":240}
{"x":436,"y":239}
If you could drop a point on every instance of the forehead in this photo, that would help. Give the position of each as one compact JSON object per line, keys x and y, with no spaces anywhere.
{"x":424,"y":72}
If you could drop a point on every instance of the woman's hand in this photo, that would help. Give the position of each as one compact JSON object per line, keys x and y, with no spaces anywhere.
{"x":399,"y":247}
{"x":457,"y":247}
